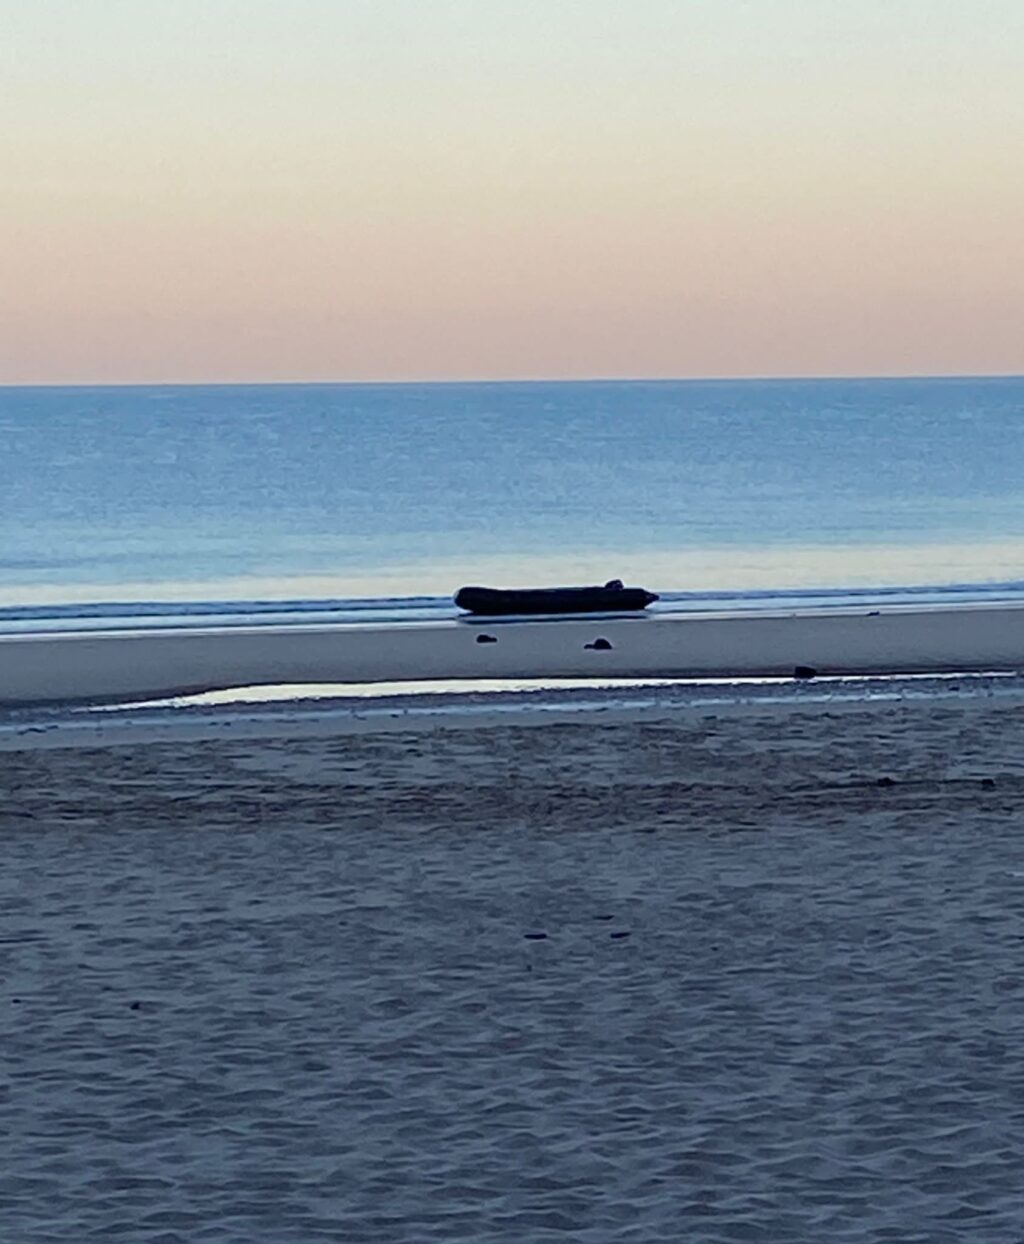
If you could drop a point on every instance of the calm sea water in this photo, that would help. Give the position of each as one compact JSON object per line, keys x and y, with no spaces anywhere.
{"x":318,"y":500}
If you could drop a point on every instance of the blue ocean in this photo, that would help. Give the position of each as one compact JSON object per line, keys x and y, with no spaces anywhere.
{"x":221,"y":504}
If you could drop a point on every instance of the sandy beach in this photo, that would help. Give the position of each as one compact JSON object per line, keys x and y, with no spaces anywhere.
{"x":734,"y":973}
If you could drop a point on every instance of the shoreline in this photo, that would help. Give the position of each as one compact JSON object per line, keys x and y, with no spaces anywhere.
{"x":113,"y":666}
{"x":95,"y":612}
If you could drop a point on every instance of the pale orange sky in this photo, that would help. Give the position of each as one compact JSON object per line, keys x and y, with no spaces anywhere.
{"x":406,"y":189}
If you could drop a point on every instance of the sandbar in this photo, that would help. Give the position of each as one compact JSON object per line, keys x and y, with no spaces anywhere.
{"x":65,"y":668}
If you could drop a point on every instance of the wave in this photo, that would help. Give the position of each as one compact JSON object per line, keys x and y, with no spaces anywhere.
{"x":355,"y":610}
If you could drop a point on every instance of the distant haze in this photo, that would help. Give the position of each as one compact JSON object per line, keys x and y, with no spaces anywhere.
{"x":399,"y":189}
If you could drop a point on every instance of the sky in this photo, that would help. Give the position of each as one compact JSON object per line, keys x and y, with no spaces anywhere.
{"x":230,"y":190}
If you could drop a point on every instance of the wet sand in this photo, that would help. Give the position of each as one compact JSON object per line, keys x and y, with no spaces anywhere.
{"x":730,"y":974}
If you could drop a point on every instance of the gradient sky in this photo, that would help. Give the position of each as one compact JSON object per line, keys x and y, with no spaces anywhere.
{"x":403,"y":189}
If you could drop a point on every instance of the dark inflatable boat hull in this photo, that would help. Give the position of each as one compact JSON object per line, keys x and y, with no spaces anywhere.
{"x":495,"y":602}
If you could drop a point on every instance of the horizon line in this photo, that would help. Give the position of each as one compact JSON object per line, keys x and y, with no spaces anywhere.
{"x":504,"y":380}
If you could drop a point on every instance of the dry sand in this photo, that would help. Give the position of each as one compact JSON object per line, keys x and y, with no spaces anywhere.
{"x":746,"y":975}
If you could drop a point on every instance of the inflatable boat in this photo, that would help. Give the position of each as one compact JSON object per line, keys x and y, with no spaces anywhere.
{"x":494,"y":602}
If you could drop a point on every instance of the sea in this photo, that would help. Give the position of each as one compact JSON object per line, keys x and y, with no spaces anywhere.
{"x":238,"y":504}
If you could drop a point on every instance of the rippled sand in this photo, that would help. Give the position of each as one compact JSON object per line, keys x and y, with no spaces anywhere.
{"x":753,"y":977}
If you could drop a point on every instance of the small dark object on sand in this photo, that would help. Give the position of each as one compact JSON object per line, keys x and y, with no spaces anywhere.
{"x":804,"y":671}
{"x":601,"y":645}
{"x":486,"y":639}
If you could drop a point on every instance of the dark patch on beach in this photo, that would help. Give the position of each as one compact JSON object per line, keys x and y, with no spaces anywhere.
{"x":804,"y":671}
{"x":486,"y":639}
{"x":599,"y":645}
